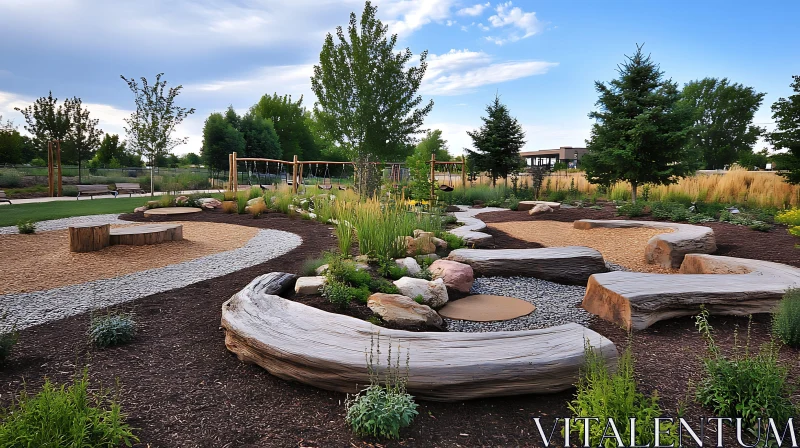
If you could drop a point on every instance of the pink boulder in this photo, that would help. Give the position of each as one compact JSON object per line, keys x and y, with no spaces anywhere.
{"x":456,"y":276}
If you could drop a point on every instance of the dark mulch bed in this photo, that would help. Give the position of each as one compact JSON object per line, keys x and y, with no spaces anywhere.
{"x":182,"y":388}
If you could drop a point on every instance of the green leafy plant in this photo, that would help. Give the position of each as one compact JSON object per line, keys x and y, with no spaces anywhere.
{"x":345,"y":271}
{"x":383,"y":285}
{"x":26,"y":227}
{"x":419,"y":298}
{"x":614,"y":396}
{"x":112,"y":329}
{"x":453,"y":241}
{"x":384,"y":408}
{"x":241,"y":202}
{"x":341,"y":295}
{"x":630,"y":209}
{"x":786,"y":320}
{"x":8,"y":338}
{"x":750,"y":386}
{"x":73,"y":416}
{"x":375,"y":320}
{"x":513,"y":202}
{"x":310,"y":266}
{"x":424,"y":274}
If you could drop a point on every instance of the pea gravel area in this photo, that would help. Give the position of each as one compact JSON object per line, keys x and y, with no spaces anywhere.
{"x":43,"y":260}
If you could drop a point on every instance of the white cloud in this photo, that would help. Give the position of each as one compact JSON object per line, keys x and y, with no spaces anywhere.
{"x":523,"y":24}
{"x":474,"y":10}
{"x":406,"y":16}
{"x":483,"y":27}
{"x":464,"y":28}
{"x":461,"y":71}
{"x":451,"y":22}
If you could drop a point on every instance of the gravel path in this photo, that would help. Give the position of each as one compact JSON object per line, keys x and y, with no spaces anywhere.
{"x":59,"y":224}
{"x":33,"y":308}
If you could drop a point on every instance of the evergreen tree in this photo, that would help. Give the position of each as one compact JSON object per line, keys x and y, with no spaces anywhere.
{"x":723,"y":120}
{"x":641,"y":129}
{"x":786,"y":113}
{"x":219,"y":140}
{"x":497,"y":143}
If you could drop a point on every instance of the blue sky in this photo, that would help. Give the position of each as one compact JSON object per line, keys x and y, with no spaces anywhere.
{"x":542,"y":57}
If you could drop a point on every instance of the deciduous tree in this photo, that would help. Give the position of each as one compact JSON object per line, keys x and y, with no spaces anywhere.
{"x":151,"y":126}
{"x":220,"y":138}
{"x":786,"y":136}
{"x":497,"y":143}
{"x":83,"y":135}
{"x":260,"y":138}
{"x":288,"y":120}
{"x":11,"y":143}
{"x":641,"y":129}
{"x":46,"y":120}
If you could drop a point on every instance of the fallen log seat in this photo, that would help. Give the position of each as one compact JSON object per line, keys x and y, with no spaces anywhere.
{"x":167,"y":211}
{"x":667,"y":249}
{"x":724,"y":285}
{"x":571,"y":265}
{"x":524,"y":206}
{"x":300,"y":343}
{"x":146,"y":234}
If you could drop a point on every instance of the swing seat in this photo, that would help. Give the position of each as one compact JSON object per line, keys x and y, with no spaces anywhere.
{"x":445,"y":188}
{"x":325,"y":187}
{"x":342,"y":188}
{"x":267,"y":187}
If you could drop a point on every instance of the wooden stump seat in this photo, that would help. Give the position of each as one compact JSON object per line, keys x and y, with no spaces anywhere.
{"x":667,"y":249}
{"x":724,"y":285}
{"x":89,"y":237}
{"x":166,"y":211}
{"x":570,"y":265}
{"x":300,"y":343}
{"x":146,"y":234}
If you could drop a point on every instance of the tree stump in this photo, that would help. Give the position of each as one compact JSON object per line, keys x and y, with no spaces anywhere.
{"x":89,"y":238}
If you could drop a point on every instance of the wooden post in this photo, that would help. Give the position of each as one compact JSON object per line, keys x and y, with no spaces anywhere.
{"x":50,"y":168}
{"x":463,"y":171}
{"x":294,"y":175}
{"x":235,"y":172}
{"x":433,"y":173}
{"x":58,"y":145}
{"x":230,"y":165}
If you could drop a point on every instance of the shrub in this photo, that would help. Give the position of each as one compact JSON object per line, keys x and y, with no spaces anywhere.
{"x":342,"y":295}
{"x":345,"y":271}
{"x":38,"y":161}
{"x":310,"y":266}
{"x":241,"y":202}
{"x":383,"y":285}
{"x":453,"y":241}
{"x":10,"y":179}
{"x":388,"y":268}
{"x":26,"y":227}
{"x":257,"y":209}
{"x":698,"y":218}
{"x":419,"y":298}
{"x":112,"y":329}
{"x":513,"y":202}
{"x":384,"y":408}
{"x":8,"y":339}
{"x":789,"y":217}
{"x":749,"y":386}
{"x":425,"y":274}
{"x":786,"y":321}
{"x":630,"y":209}
{"x":614,"y":396}
{"x":70,"y":416}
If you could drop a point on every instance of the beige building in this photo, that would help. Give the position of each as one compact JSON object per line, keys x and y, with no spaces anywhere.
{"x":549,"y":157}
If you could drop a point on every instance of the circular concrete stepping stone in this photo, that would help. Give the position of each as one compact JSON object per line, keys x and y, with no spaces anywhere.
{"x":172,"y":211}
{"x":486,"y":308}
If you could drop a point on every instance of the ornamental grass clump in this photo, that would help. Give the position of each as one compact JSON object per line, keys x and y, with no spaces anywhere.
{"x":744,"y":385}
{"x":384,"y":408}
{"x":112,"y":329}
{"x":71,"y":416}
{"x":786,"y":320}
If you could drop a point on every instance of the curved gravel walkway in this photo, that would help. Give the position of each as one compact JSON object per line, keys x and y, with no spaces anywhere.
{"x":33,"y":308}
{"x":59,"y":224}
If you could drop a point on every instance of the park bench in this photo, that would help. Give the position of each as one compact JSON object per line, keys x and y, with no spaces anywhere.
{"x":3,"y":197}
{"x":92,"y":190}
{"x":130,"y":188}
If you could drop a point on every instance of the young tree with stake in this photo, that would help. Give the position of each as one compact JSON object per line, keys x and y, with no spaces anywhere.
{"x":150,"y":127}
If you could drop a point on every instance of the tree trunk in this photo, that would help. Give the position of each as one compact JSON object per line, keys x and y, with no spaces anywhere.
{"x":152,"y":175}
{"x":634,"y":186}
{"x":79,"y":167}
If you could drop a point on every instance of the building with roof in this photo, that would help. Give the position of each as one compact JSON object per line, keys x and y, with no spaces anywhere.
{"x":549,"y":157}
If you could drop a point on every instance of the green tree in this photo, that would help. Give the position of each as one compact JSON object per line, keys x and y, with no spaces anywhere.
{"x":723,"y":120}
{"x":328,"y":150}
{"x":83,"y":135}
{"x":260,"y":138}
{"x":497,"y":143}
{"x":752,"y":159}
{"x":641,"y":129}
{"x":220,"y":138}
{"x":367,"y":94}
{"x":786,"y":113}
{"x":46,"y":120}
{"x":12,"y":143}
{"x":419,"y":163}
{"x":151,"y":126}
{"x":111,"y":148}
{"x":288,"y":120}
{"x":190,"y":159}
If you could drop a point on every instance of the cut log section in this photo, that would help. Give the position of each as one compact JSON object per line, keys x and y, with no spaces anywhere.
{"x":570,"y":265}
{"x":724,"y":285}
{"x":146,"y":234}
{"x":300,"y":343}
{"x":89,"y":238}
{"x":667,"y":249}
{"x":168,"y":211}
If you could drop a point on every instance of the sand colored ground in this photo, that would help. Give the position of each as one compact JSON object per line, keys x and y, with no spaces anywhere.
{"x":621,"y":246}
{"x":43,"y":260}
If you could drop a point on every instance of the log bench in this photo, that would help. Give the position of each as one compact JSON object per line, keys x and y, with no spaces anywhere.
{"x":299,"y":343}
{"x":89,"y":237}
{"x":92,"y":190}
{"x":128,"y":188}
{"x":146,"y":234}
{"x":3,"y":197}
{"x":570,"y":265}
{"x":666,"y":249}
{"x":724,"y":285}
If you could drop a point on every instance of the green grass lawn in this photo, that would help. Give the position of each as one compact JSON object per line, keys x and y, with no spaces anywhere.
{"x":10,"y":215}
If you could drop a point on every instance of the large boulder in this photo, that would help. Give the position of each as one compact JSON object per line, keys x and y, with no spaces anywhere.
{"x":403,"y":311}
{"x":409,"y":264}
{"x":180,"y":200}
{"x":420,"y":233}
{"x":143,"y":208}
{"x":419,"y":246}
{"x":255,"y":201}
{"x":456,"y":276}
{"x":209,"y":203}
{"x":539,"y":209}
{"x":309,"y":285}
{"x":434,"y":293}
{"x":525,"y":206}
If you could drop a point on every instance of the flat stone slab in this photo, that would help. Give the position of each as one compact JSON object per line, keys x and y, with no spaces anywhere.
{"x":724,"y":285}
{"x":667,"y":249}
{"x":570,"y":265}
{"x":172,"y":211}
{"x":470,"y":231}
{"x":529,"y":205}
{"x":146,"y":234}
{"x":309,"y":285}
{"x":300,"y":343}
{"x":486,"y":308}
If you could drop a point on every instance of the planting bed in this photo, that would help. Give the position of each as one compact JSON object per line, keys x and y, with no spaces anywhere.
{"x":181,"y":387}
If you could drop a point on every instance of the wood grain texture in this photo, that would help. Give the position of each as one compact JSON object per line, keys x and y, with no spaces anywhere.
{"x":172,"y":211}
{"x":89,"y":238}
{"x":300,"y":343}
{"x":146,"y":234}
{"x":666,"y":249}
{"x":724,"y":285}
{"x":569,"y":265}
